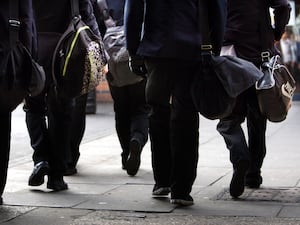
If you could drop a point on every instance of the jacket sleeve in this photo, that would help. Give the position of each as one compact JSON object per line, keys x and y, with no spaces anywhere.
{"x":133,"y":23}
{"x":86,"y":11}
{"x":281,"y":12}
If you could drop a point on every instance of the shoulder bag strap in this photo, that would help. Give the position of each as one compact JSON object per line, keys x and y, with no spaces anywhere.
{"x":14,"y":28}
{"x":265,"y":54}
{"x":75,"y":8}
{"x":14,"y":22}
{"x":203,"y":23}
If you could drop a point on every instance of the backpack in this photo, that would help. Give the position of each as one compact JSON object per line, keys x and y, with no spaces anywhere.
{"x":115,"y":46}
{"x":78,"y":58}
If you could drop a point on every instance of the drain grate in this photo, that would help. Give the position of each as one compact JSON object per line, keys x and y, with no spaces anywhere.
{"x":285,"y":195}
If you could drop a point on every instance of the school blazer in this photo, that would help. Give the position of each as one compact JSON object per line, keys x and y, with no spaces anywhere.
{"x":171,"y":28}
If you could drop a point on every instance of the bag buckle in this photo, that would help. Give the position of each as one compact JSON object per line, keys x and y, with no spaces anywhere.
{"x":206,"y":54}
{"x":14,"y":23}
{"x":265,"y":56}
{"x":206,"y":48}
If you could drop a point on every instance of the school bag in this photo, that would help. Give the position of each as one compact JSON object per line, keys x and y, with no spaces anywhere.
{"x":115,"y":45}
{"x":78,"y":59}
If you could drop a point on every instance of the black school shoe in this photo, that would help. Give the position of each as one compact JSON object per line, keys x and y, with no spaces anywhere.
{"x":39,"y":171}
{"x":237,"y":184}
{"x":159,"y":191}
{"x":70,"y":171}
{"x":253,"y":180}
{"x":134,"y":159}
{"x":56,"y":183}
{"x":182,"y":200}
{"x":124,"y":158}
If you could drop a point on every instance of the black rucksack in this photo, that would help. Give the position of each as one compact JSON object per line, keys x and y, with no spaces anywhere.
{"x":78,"y":59}
{"x":115,"y":45}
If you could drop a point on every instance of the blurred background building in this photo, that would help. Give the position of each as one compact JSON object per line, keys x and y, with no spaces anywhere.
{"x":290,"y":44}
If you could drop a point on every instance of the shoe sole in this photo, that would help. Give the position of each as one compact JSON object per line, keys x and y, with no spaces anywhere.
{"x":253,"y":186}
{"x":133,"y":162}
{"x":37,"y":179}
{"x":70,"y":172}
{"x":237,"y":184}
{"x":253,"y":183}
{"x":161,"y":192}
{"x":56,"y":188}
{"x":181,"y":202}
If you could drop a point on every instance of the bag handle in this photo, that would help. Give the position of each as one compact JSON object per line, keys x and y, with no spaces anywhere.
{"x":265,"y":54}
{"x":75,"y":8}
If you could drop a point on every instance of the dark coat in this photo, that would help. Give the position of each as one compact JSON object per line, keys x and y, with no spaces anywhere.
{"x":27,"y":33}
{"x":244,"y":25}
{"x":53,"y":18}
{"x":171,"y":27}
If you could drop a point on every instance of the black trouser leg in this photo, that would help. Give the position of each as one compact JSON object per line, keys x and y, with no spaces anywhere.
{"x":139,"y":126}
{"x":256,"y":124}
{"x":77,"y":130}
{"x":60,"y":121}
{"x":5,"y":132}
{"x":231,"y":130}
{"x":184,"y":130}
{"x":35,"y":108}
{"x":131,"y":114}
{"x":159,"y":131}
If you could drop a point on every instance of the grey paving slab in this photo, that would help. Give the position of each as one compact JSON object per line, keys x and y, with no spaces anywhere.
{"x":129,"y":198}
{"x":120,"y":218}
{"x":275,"y":195}
{"x":44,"y":198}
{"x":8,"y":213}
{"x":48,"y":216}
{"x":208,"y":176}
{"x":89,"y":188}
{"x":290,"y":211}
{"x":109,"y":174}
{"x":230,"y":208}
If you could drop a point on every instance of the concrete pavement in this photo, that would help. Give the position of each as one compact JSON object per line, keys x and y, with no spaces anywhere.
{"x":102,"y":193}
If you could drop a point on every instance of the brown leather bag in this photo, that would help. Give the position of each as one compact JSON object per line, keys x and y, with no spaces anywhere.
{"x":275,"y":89}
